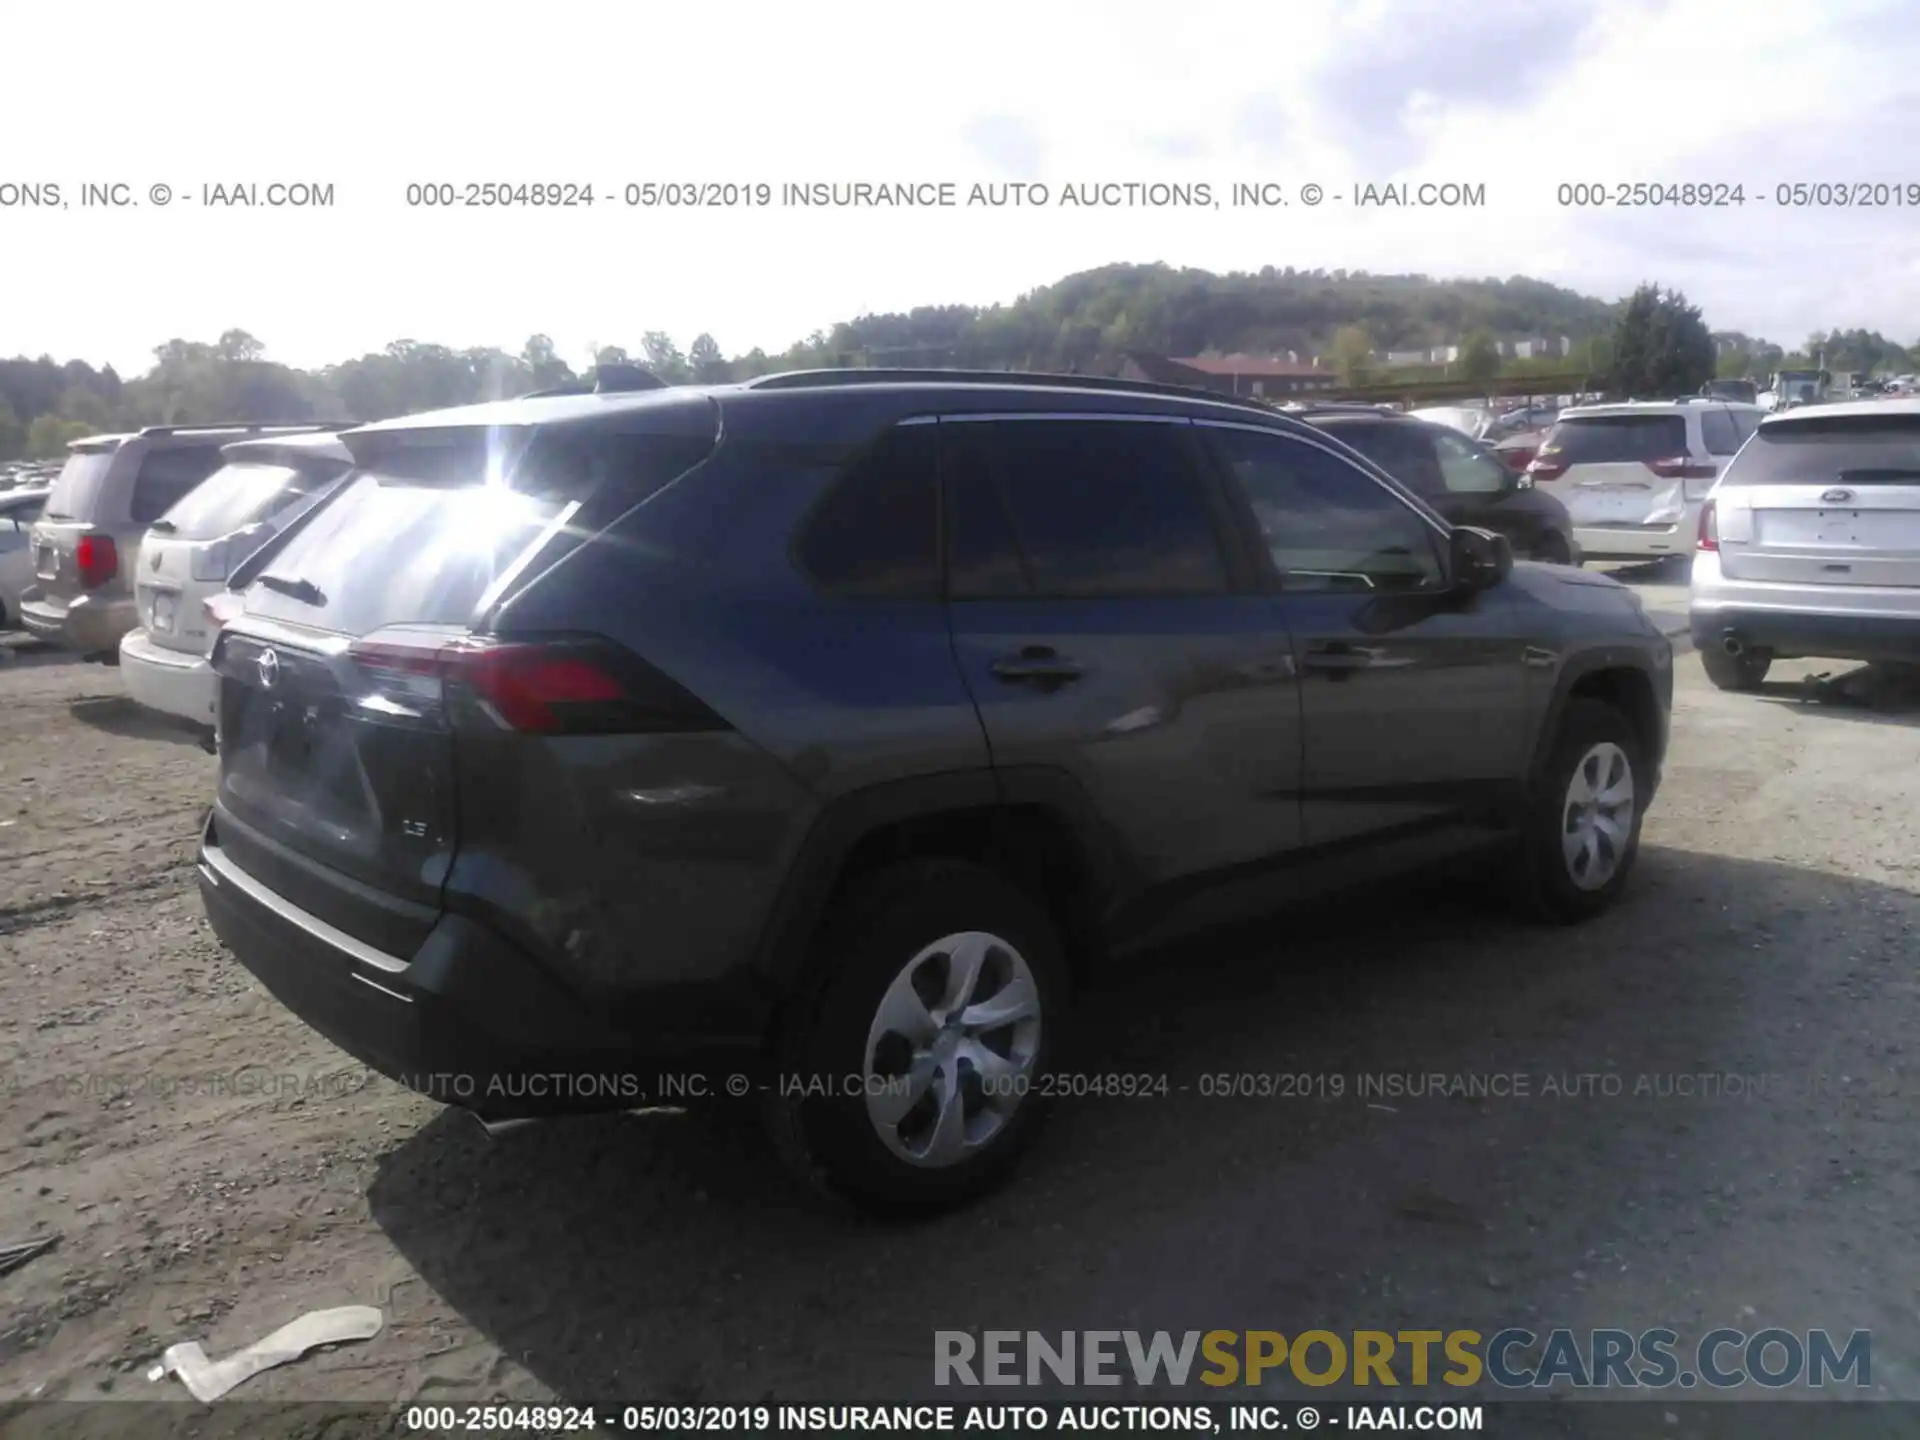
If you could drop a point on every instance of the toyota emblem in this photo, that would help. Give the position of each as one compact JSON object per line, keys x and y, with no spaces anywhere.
{"x":1836,"y":497}
{"x":269,"y":667}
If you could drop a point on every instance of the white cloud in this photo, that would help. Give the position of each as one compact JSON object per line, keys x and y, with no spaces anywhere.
{"x":371,"y":97}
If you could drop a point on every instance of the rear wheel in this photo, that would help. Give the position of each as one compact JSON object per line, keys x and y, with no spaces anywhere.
{"x":1582,"y":830}
{"x":1744,"y":671}
{"x":910,"y":1078}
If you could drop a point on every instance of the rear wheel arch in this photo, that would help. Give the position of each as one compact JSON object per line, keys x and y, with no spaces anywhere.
{"x":1035,"y":826}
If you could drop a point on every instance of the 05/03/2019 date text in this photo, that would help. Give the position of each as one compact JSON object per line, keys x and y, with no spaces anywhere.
{"x":1703,"y":195}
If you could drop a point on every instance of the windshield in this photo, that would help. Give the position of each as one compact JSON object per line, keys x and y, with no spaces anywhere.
{"x":1616,"y":439}
{"x":77,"y":491}
{"x":1831,"y":450}
{"x":235,"y":497}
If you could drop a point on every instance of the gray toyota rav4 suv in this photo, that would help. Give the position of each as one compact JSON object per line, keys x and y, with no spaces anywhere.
{"x":834,"y":728}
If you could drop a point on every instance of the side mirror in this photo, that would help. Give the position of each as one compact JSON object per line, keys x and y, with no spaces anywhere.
{"x":1478,"y":559}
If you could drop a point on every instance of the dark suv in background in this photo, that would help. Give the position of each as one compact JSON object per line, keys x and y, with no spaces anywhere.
{"x":1459,"y":478}
{"x":836,"y":727}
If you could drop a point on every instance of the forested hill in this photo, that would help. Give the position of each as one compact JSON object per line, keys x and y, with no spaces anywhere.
{"x":1085,"y":322}
{"x":1089,"y":320}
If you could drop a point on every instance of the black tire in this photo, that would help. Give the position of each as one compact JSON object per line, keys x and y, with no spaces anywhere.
{"x":828,"y":1139}
{"x":1549,"y":887}
{"x":1739,"y":672}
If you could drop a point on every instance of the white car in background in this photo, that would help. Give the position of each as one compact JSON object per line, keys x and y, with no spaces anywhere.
{"x":1810,"y":543}
{"x":262,"y":487}
{"x":1471,"y":421}
{"x":1634,"y":475}
{"x":18,"y":510}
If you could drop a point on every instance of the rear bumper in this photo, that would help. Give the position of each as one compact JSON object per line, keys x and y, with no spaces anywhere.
{"x":87,"y":623}
{"x":1839,"y":622}
{"x":467,"y":1020}
{"x":1794,"y":633}
{"x":1600,"y":542}
{"x":171,"y":681}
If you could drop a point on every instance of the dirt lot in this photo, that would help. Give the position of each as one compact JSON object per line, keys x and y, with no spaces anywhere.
{"x":214,"y":1169}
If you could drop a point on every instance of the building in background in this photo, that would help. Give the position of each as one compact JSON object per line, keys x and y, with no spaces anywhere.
{"x":1259,"y":377}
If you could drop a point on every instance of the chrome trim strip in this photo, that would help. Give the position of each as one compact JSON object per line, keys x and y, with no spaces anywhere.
{"x":224,"y":872}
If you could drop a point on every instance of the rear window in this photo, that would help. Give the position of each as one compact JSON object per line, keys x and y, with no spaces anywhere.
{"x":77,"y":491}
{"x":420,"y":535}
{"x":167,"y":477}
{"x":1616,"y":439}
{"x":236,"y":496}
{"x":1831,"y":449}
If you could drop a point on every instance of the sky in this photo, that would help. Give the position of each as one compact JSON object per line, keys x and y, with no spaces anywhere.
{"x":1521,"y":98}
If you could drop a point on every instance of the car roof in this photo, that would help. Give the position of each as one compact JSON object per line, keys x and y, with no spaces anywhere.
{"x":1655,"y":407}
{"x":556,"y":408}
{"x":1848,"y":409}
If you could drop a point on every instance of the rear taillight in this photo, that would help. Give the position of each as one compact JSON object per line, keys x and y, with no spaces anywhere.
{"x":1709,"y":536}
{"x":1541,"y":469}
{"x":97,"y":560}
{"x":548,"y":687}
{"x":1683,"y":467}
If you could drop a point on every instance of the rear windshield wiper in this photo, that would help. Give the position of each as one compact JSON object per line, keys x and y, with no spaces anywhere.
{"x":163,"y":527}
{"x":305,"y":591}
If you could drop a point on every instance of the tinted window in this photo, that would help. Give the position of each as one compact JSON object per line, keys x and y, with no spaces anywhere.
{"x":1467,"y":469}
{"x":877,"y":531}
{"x":1832,"y":450}
{"x":1616,"y":439}
{"x":1327,"y":524}
{"x":78,"y":486}
{"x":1092,"y":508}
{"x":167,"y":477}
{"x":1745,"y":422}
{"x":1403,"y":451}
{"x":421,"y":534}
{"x":1717,"y":430}
{"x":236,"y":496}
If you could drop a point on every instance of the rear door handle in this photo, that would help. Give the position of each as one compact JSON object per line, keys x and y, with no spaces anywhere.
{"x":1038,"y":664}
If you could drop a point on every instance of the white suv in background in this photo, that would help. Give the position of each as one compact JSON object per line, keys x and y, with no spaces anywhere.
{"x":1634,"y":475}
{"x":1810,"y":543}
{"x":262,"y":487}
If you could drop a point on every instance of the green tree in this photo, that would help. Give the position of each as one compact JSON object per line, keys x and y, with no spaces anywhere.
{"x":1661,"y":345}
{"x":239,"y":345}
{"x":13,"y":435}
{"x":709,"y":364}
{"x":48,"y":435}
{"x":1352,"y":351}
{"x":664,"y":358}
{"x":545,"y":368}
{"x":611,"y":355}
{"x":1479,"y":358}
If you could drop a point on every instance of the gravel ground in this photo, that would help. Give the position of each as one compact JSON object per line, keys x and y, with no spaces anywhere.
{"x":1769,"y":932}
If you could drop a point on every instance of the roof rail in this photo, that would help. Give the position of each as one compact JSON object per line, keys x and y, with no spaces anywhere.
{"x":248,"y":427}
{"x":827,"y":379}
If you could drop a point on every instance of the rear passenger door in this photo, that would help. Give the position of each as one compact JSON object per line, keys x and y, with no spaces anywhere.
{"x":1106,"y":625}
{"x":1413,"y":696}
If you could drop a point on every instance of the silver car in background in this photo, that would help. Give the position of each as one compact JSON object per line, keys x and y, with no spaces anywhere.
{"x":1810,"y":543}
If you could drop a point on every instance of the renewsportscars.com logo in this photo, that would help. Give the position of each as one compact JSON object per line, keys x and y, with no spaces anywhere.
{"x":1511,"y":1359}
